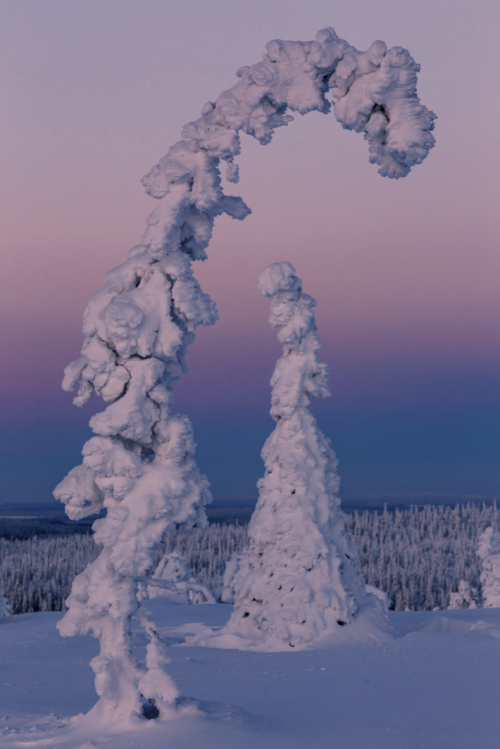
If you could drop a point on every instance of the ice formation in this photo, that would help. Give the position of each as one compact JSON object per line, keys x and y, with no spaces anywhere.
{"x":140,"y":464}
{"x":489,"y":553}
{"x":298,"y":581}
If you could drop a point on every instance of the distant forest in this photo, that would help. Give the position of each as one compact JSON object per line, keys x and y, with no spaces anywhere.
{"x":416,"y":555}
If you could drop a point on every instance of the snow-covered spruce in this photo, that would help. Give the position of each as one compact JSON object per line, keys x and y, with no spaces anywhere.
{"x":140,"y":466}
{"x":173,"y":579}
{"x":5,"y":608}
{"x":386,"y":602}
{"x":464,"y":597}
{"x":489,"y":553}
{"x":298,"y":581}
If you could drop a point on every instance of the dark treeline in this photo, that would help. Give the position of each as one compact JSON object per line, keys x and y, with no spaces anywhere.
{"x":417,"y":556}
{"x":24,"y":528}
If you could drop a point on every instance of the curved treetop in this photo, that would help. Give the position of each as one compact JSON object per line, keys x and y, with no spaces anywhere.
{"x":374,"y":93}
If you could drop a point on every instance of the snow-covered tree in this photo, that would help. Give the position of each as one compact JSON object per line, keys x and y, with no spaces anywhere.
{"x":298,"y":581}
{"x":4,"y":605}
{"x":172,"y":569}
{"x":489,"y":553}
{"x":381,"y":597}
{"x":464,"y":597}
{"x":231,"y":568}
{"x":140,"y":465}
{"x":173,"y":579}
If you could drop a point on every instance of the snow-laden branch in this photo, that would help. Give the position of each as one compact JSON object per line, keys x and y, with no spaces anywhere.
{"x":140,"y":465}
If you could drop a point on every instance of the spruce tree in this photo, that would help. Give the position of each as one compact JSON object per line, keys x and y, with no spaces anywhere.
{"x":489,"y":553}
{"x":298,"y":581}
{"x":5,"y":608}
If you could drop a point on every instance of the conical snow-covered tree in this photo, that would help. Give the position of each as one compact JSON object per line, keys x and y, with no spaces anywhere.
{"x":298,"y":581}
{"x":489,"y":553}
{"x":173,"y":579}
{"x":463,"y":598}
{"x":140,"y":465}
{"x":4,"y":605}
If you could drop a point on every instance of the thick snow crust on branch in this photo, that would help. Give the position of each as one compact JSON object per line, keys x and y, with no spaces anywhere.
{"x":140,"y":465}
{"x":298,"y":582}
{"x":489,"y":553}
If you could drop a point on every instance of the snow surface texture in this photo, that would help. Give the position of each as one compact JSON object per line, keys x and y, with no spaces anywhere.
{"x":435,"y":685}
{"x":140,"y":464}
{"x":489,"y":553}
{"x":298,"y":581}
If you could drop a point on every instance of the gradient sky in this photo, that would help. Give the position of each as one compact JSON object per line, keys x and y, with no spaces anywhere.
{"x":406,"y":273}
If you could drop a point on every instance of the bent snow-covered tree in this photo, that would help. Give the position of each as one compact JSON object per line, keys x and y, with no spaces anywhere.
{"x":140,"y":464}
{"x":298,"y":581}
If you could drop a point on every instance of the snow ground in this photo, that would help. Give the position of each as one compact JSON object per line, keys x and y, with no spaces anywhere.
{"x":435,"y":686}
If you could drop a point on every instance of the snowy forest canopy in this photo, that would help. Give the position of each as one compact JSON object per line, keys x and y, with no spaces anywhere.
{"x":417,"y":556}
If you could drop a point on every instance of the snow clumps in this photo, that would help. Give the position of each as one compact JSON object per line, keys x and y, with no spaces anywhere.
{"x":298,"y":582}
{"x":489,"y":553}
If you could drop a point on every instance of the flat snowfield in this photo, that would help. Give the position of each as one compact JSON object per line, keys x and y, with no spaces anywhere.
{"x":436,"y":686}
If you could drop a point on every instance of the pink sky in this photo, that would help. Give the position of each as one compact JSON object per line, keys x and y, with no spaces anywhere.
{"x":404,"y":272}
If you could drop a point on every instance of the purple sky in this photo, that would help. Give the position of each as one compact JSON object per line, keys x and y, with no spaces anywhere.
{"x":405,"y":273}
